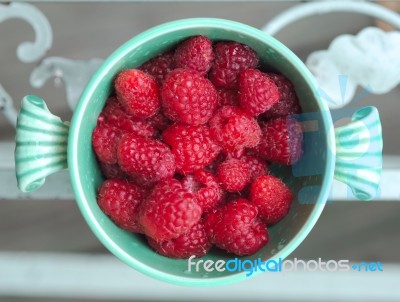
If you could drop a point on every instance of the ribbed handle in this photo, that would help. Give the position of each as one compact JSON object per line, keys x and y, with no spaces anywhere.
{"x":359,"y":153}
{"x":41,"y":144}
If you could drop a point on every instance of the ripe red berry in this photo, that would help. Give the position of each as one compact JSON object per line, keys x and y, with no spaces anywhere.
{"x":272,"y":198}
{"x":145,"y":159}
{"x":233,"y":129}
{"x":188,"y":97}
{"x":138,"y":92}
{"x":235,"y":227}
{"x":230,"y":58}
{"x":256,"y":165}
{"x":195,"y":53}
{"x":233,"y":175}
{"x":105,"y":140}
{"x":192,"y":146}
{"x":281,"y":141}
{"x":192,"y":243}
{"x":257,"y":91}
{"x":114,"y":114}
{"x":120,"y":200}
{"x":159,"y":66}
{"x":288,"y":102}
{"x":205,"y":187}
{"x":169,"y":212}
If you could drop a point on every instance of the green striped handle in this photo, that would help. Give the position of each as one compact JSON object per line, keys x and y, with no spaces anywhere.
{"x":41,"y":144}
{"x":359,"y":153}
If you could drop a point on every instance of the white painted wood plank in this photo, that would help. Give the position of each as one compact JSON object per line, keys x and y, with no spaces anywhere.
{"x":58,"y":186}
{"x":104,"y":277}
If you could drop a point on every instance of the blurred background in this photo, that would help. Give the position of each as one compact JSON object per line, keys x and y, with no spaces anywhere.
{"x":48,"y":253}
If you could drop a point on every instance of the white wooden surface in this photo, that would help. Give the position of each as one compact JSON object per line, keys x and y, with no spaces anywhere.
{"x":103,"y":277}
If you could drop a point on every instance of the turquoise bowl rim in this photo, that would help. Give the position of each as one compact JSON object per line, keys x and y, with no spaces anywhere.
{"x":137,"y":41}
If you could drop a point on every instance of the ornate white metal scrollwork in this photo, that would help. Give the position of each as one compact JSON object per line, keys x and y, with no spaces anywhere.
{"x":368,"y":59}
{"x":74,"y":74}
{"x":27,"y":52}
{"x":6,"y":106}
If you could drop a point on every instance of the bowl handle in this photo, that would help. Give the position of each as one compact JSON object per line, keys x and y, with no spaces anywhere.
{"x":359,"y":153}
{"x":41,"y":144}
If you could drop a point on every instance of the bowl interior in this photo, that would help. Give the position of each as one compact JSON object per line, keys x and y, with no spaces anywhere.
{"x":309,"y":184}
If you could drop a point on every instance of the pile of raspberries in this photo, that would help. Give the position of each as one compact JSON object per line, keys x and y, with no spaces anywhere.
{"x":184,"y":145}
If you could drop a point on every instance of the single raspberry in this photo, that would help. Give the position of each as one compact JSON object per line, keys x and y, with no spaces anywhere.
{"x":169,"y":212}
{"x":159,"y":66}
{"x":281,"y":141}
{"x":120,"y":200}
{"x":205,"y":187}
{"x":272,"y":198}
{"x":188,"y":97}
{"x":233,"y":175}
{"x":145,"y":159}
{"x":235,"y":227}
{"x":228,"y":97}
{"x":138,"y":92}
{"x":288,"y":102}
{"x":256,"y":165}
{"x":165,"y":188}
{"x":230,"y":58}
{"x":192,"y":243}
{"x":115,"y":115}
{"x":195,"y":53}
{"x":192,"y":146}
{"x":233,"y":129}
{"x":113,"y":171}
{"x":105,"y":140}
{"x":257,"y":91}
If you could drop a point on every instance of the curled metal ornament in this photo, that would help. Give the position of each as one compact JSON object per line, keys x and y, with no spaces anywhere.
{"x":29,"y":52}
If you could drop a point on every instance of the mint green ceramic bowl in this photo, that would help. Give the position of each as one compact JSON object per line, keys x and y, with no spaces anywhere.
{"x":46,"y":145}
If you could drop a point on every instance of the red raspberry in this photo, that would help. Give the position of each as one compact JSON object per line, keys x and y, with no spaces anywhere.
{"x":105,"y":140}
{"x":138,"y":92}
{"x":145,"y":159}
{"x":234,"y":130}
{"x":120,"y":200}
{"x":281,"y":141}
{"x":112,"y":171}
{"x":205,"y":188}
{"x":233,"y":175}
{"x":230,"y":59}
{"x":114,"y":115}
{"x":288,"y":102}
{"x":192,"y":146}
{"x":256,"y":165}
{"x":228,"y":97}
{"x":192,"y":243}
{"x":272,"y":198}
{"x":188,"y":97}
{"x":257,"y":91}
{"x":236,"y":228}
{"x":159,"y":66}
{"x":195,"y":53}
{"x":169,"y":212}
{"x":165,"y":188}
